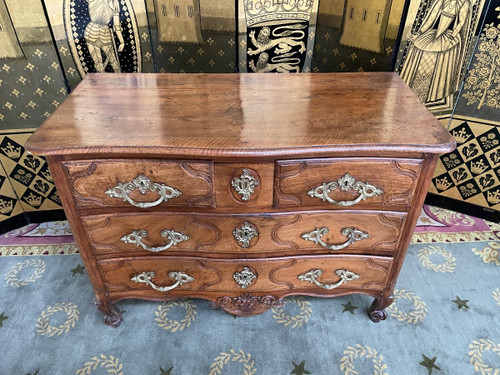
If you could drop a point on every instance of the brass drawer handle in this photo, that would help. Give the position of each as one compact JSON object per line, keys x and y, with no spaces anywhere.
{"x":245,"y":184}
{"x":352,"y":234}
{"x":345,"y":183}
{"x":143,"y":184}
{"x":179,"y":277}
{"x":136,"y":237}
{"x":345,"y":276}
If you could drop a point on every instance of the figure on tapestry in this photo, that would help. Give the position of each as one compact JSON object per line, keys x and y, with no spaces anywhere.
{"x":99,"y":36}
{"x":434,"y":61}
{"x":102,"y":35}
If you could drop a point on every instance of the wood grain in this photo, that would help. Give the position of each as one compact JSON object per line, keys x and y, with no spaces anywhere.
{"x":251,"y":115}
{"x":270,"y":275}
{"x":395,"y":177}
{"x":198,"y":132}
{"x":211,"y":235}
{"x":91,"y":179}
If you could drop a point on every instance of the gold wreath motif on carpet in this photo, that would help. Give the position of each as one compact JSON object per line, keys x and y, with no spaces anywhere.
{"x":176,"y":325}
{"x":496,"y":295}
{"x":110,"y":363}
{"x":448,"y":266}
{"x":233,"y":356}
{"x":296,"y":320}
{"x":38,"y":266}
{"x":412,"y":317}
{"x":476,"y":356}
{"x":359,"y":351}
{"x":43,"y":326}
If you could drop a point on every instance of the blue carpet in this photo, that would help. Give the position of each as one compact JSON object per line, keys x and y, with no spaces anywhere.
{"x":446,"y":320}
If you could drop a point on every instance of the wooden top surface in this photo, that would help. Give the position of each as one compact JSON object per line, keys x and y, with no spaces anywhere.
{"x":240,"y":115}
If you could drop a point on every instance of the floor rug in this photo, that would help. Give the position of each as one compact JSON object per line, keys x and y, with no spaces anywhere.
{"x":445,"y":318}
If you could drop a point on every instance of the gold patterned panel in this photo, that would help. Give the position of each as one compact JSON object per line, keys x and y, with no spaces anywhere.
{"x":365,"y":24}
{"x":193,"y":35}
{"x":9,"y":205}
{"x":276,"y":36}
{"x":482,"y":86}
{"x":28,"y":175}
{"x":356,"y":35}
{"x":471,"y":172}
{"x":31,"y":86}
{"x":178,"y":20}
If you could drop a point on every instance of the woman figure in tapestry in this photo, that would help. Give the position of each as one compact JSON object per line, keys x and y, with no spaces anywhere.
{"x":435,"y":57}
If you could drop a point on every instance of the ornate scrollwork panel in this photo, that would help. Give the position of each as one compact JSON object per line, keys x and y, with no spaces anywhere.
{"x":144,"y":185}
{"x":245,"y":184}
{"x":244,"y":234}
{"x":137,"y":236}
{"x":345,"y":183}
{"x":352,"y":234}
{"x":246,"y":304}
{"x":245,"y":277}
{"x":312,"y":275}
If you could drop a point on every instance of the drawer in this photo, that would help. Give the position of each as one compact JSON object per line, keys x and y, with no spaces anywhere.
{"x":356,"y":183}
{"x":154,"y":278}
{"x":244,"y":186}
{"x":258,"y":235}
{"x":141,"y":183}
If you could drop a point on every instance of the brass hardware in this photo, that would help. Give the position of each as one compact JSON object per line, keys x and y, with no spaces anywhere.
{"x":345,"y":276}
{"x":136,"y":237}
{"x":352,"y":234}
{"x":245,"y":184}
{"x":179,"y":277}
{"x":345,"y":183}
{"x":244,"y":278}
{"x":245,"y":234}
{"x":143,"y":184}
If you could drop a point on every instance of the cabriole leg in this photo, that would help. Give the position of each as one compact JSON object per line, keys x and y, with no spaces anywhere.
{"x":112,"y":316}
{"x":376,"y":310}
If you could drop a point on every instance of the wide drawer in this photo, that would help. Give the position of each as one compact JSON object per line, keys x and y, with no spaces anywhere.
{"x":154,"y":278}
{"x":337,"y":183}
{"x":255,"y":235}
{"x":141,"y":183}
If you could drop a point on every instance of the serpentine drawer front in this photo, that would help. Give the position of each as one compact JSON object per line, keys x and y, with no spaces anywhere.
{"x":241,"y":189}
{"x":256,"y":235}
{"x":145,"y":275}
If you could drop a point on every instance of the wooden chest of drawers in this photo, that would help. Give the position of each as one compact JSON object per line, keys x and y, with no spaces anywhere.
{"x":241,"y":189}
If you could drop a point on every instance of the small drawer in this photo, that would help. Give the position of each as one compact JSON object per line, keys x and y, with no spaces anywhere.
{"x":244,"y":186}
{"x":141,"y":183}
{"x":340,"y":183}
{"x":330,"y":274}
{"x":257,"y":235}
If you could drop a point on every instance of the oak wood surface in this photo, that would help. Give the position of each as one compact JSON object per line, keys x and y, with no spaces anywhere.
{"x":90,"y":179}
{"x":396,"y":178}
{"x":250,"y":115}
{"x":197,"y":133}
{"x":273,"y":274}
{"x":212,"y":235}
